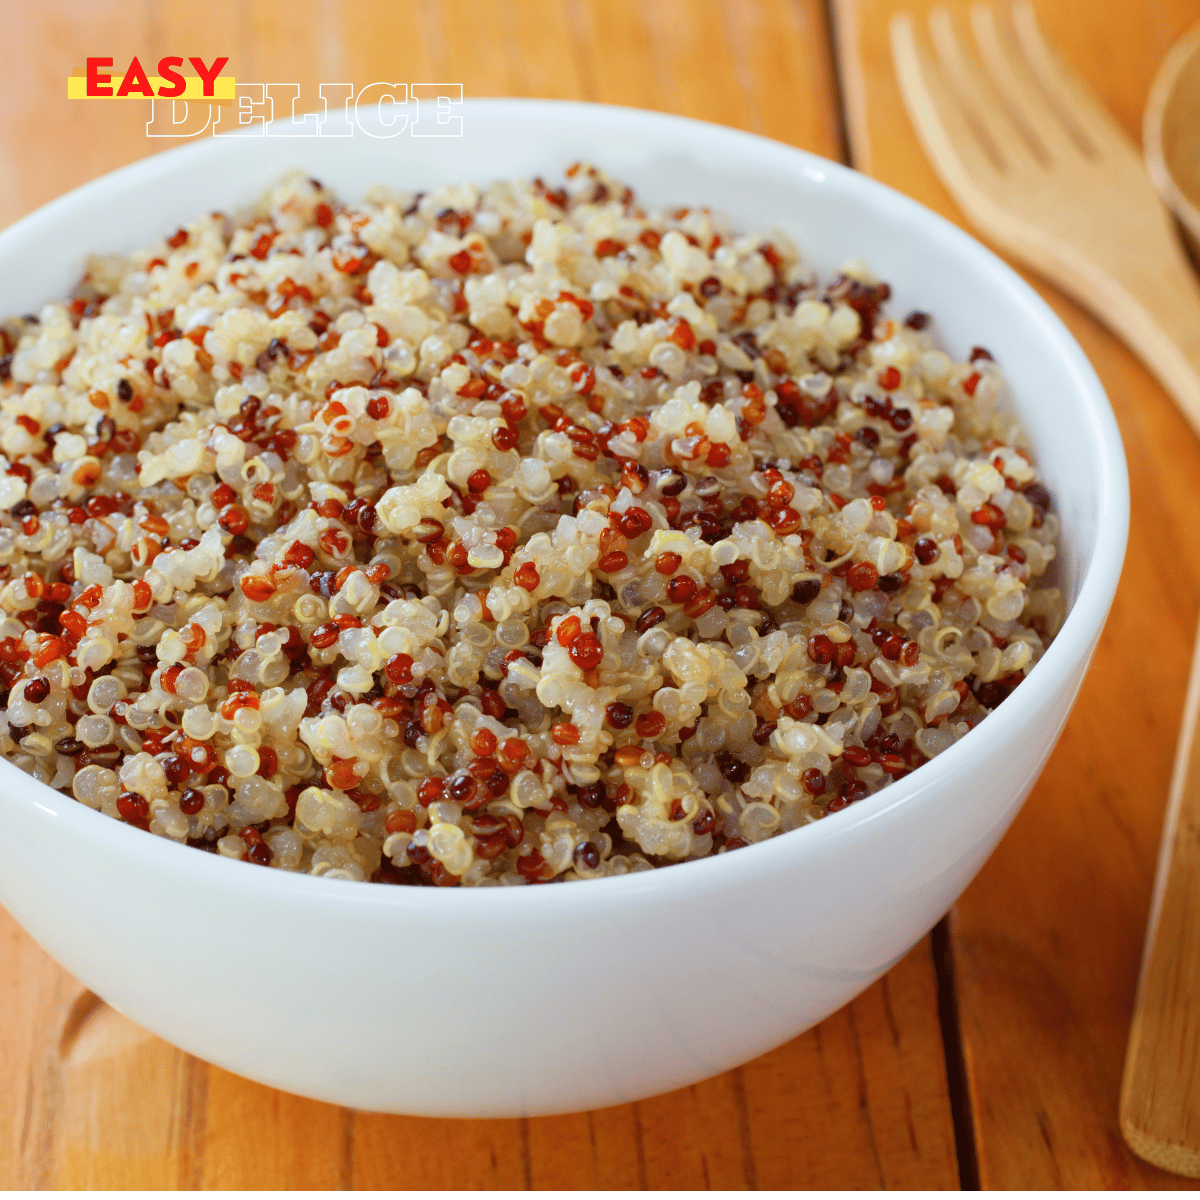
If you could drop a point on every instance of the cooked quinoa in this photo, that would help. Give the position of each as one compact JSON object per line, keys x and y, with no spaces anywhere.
{"x":498,"y":536}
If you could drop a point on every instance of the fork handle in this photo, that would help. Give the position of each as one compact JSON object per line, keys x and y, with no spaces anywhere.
{"x":1153,"y":306}
{"x":1160,"y":1091}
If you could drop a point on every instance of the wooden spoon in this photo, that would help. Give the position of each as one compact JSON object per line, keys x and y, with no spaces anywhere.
{"x":1160,"y":1091}
{"x":1171,"y":133}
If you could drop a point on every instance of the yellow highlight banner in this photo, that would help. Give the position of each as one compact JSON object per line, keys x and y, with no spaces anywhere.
{"x":223,"y":88}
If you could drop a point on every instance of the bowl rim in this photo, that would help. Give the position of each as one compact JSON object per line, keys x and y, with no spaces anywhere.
{"x":1074,"y":641}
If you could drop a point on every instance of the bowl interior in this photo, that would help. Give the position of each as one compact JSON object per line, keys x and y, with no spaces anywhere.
{"x":831,"y":213}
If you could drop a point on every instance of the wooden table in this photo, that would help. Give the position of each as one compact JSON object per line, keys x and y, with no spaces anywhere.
{"x":991,"y":1055}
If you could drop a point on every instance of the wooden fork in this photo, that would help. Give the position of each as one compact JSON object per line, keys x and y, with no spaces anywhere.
{"x":1048,"y":176}
{"x":1045,"y":172}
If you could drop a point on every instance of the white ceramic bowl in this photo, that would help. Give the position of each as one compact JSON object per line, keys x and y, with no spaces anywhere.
{"x":500,"y":1002}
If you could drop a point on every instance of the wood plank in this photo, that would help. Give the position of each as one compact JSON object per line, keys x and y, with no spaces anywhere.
{"x":612,"y":44}
{"x":779,"y":57}
{"x":105,"y":1063}
{"x":47,"y":145}
{"x":1047,"y":940}
{"x":254,"y":1137}
{"x":36,"y":998}
{"x":88,"y":1099}
{"x":889,"y":1133}
{"x":860,"y":1101}
{"x":1159,"y":1093}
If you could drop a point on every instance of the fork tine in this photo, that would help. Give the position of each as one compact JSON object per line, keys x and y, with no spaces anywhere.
{"x":953,"y":145}
{"x":1076,"y":107}
{"x":977,"y":95}
{"x":1021,"y":95}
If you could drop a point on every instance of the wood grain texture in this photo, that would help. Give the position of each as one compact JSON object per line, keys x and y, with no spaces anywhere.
{"x":1160,"y":1089}
{"x":1048,"y":938}
{"x":89,"y":1100}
